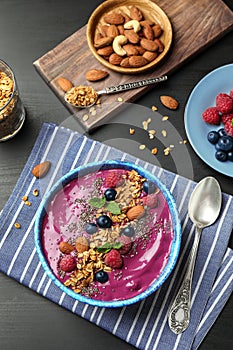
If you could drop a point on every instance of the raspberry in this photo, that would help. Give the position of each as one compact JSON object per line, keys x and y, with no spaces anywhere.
{"x":67,"y":264}
{"x":224,"y":103}
{"x":151,"y":200}
{"x":211,"y":116}
{"x":231,"y":93}
{"x":113,"y":259}
{"x":226,"y":117}
{"x":113,"y":179}
{"x":229,"y":127}
{"x":126,"y":244}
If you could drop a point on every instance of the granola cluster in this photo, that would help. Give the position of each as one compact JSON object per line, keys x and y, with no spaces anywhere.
{"x":81,"y":96}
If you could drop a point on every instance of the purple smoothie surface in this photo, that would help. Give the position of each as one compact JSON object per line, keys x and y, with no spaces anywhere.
{"x":65,"y":220}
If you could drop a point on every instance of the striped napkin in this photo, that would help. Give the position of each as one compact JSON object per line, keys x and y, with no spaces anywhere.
{"x":143,"y":324}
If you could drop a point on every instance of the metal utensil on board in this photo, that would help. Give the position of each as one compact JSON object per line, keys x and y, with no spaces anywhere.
{"x":115,"y":89}
{"x":203,"y":209}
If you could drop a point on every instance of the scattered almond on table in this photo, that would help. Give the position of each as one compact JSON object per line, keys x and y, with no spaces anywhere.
{"x":169,"y":102}
{"x":40,"y":170}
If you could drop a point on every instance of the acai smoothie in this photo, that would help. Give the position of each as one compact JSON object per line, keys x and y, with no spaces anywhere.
{"x":107,"y":235}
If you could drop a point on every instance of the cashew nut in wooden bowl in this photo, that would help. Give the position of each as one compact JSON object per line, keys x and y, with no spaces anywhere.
{"x":129,"y":36}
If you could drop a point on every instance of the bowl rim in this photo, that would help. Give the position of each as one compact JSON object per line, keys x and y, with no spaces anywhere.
{"x":119,"y":69}
{"x":92,"y":167}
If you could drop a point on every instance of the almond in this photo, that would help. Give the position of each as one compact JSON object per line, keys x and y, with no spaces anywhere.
{"x":96,"y":74}
{"x":40,"y":170}
{"x":66,"y":248}
{"x":160,"y":45}
{"x":135,"y":13}
{"x":130,"y":50}
{"x":149,"y":45}
{"x":150,"y":56}
{"x":137,"y":61}
{"x":135,"y":212}
{"x":121,"y":29}
{"x":81,"y":244}
{"x":169,"y":102}
{"x":103,"y":30}
{"x":64,"y":84}
{"x":115,"y":59}
{"x":112,"y":31}
{"x":157,"y":30}
{"x":114,"y":18}
{"x":148,"y":32}
{"x":125,"y":62}
{"x":131,"y":36}
{"x":146,"y":22}
{"x":102,"y":42}
{"x":140,"y":49}
{"x":105,"y":51}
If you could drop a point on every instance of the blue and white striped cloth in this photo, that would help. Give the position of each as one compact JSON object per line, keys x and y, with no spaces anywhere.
{"x":144,"y":324}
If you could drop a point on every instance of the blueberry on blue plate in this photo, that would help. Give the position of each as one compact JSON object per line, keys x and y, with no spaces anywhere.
{"x":104,"y":221}
{"x":221,"y":156}
{"x":110,"y":194}
{"x":230,"y":156}
{"x":149,"y":187}
{"x":224,"y":144}
{"x":91,"y":228}
{"x":222,"y":132}
{"x":101,"y":276}
{"x":213,"y":137}
{"x":128,"y":231}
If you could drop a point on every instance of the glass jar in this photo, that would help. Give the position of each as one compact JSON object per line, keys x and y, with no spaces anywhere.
{"x":12,"y":112}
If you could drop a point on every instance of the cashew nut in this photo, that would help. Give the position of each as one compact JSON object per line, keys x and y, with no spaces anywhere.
{"x":117,"y":44}
{"x":133,"y":24}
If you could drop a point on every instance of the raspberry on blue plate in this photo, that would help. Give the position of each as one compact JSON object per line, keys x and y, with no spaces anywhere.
{"x":211,"y":116}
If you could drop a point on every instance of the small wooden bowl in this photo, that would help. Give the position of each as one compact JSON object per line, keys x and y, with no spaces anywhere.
{"x":150,"y":11}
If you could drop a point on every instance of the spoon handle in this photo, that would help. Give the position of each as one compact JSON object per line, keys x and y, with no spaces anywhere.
{"x":179,"y":314}
{"x":133,"y":85}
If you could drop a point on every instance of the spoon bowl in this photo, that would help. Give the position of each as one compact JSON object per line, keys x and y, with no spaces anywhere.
{"x":203,"y":209}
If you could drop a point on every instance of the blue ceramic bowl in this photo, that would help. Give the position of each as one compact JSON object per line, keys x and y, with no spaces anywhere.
{"x":94,"y":167}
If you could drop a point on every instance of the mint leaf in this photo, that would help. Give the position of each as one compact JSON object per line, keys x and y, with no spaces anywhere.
{"x":117,"y":245}
{"x":97,"y":202}
{"x":113,"y":208}
{"x":106,"y":247}
{"x":232,"y":121}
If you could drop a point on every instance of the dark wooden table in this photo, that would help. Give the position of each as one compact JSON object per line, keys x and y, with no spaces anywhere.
{"x":28,"y":29}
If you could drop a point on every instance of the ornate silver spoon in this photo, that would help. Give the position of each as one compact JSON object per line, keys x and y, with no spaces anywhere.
{"x":86,"y":96}
{"x":204,"y":207}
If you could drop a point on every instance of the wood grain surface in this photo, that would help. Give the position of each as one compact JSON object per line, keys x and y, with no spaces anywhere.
{"x":196,"y":25}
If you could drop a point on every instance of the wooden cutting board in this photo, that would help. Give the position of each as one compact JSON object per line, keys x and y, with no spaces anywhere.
{"x":196,"y":25}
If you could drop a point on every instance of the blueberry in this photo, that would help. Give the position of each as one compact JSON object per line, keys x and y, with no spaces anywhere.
{"x":224,"y":144}
{"x":213,"y":137}
{"x":91,"y":228}
{"x":230,"y":156}
{"x":101,"y":276}
{"x":110,"y":194}
{"x":104,"y":221}
{"x":221,"y":156}
{"x":149,"y":187}
{"x":222,"y":132}
{"x":128,"y":231}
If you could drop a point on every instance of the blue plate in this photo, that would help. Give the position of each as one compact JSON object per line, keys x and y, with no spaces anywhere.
{"x":94,"y":167}
{"x":202,"y":97}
